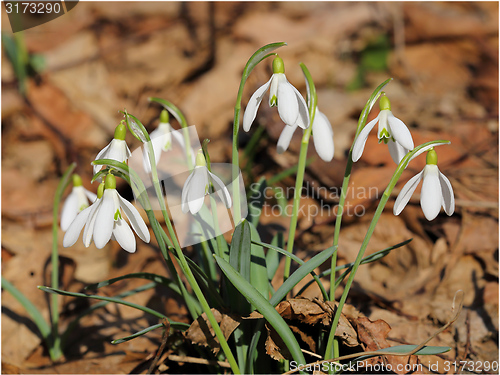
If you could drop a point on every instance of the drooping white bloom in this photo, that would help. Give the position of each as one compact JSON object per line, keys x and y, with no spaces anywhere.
{"x":391,"y":131}
{"x":161,"y":140}
{"x":117,"y":149}
{"x":322,"y":137}
{"x":197,"y":186}
{"x":77,"y":201}
{"x":292,"y":107}
{"x":436,"y":190}
{"x":103,"y":220}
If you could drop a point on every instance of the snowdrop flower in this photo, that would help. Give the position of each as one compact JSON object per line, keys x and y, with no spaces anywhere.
{"x":161,"y":139}
{"x":197,"y":186}
{"x":103,"y":220}
{"x":77,"y":201}
{"x":117,"y":149}
{"x":322,"y":136}
{"x":436,"y":190}
{"x":292,"y":107}
{"x":391,"y":130}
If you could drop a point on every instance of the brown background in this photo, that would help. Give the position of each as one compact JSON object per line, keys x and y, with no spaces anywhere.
{"x":104,"y":57}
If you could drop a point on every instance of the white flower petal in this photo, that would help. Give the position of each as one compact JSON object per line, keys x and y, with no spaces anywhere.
{"x":221,"y":190}
{"x":448,"y":196}
{"x":118,"y":150}
{"x":135,"y":219}
{"x":89,"y":226}
{"x":185,"y":189}
{"x":400,"y":132}
{"x":179,"y":137}
{"x":69,"y":210}
{"x":91,"y":196}
{"x":104,"y":221}
{"x":303,"y":117}
{"x":406,"y":193}
{"x":288,"y":105}
{"x":101,"y":155}
{"x":73,"y":232}
{"x":196,"y":189}
{"x":253,"y":105}
{"x":323,"y":136}
{"x":359,"y":145}
{"x":397,"y":151}
{"x":431,"y":197}
{"x":285,"y":138}
{"x":123,"y":234}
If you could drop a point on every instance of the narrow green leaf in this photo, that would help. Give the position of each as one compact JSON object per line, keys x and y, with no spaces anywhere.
{"x":115,"y":300}
{"x":257,"y":197}
{"x":426,"y":350}
{"x":264,"y":307}
{"x":368,"y":259}
{"x":272,"y":257}
{"x":146,"y":276}
{"x":33,"y":312}
{"x":136,"y":128}
{"x":239,"y":259}
{"x":260,"y":55}
{"x":300,"y":273}
{"x":176,"y":112}
{"x":368,"y":107}
{"x":258,"y":268}
{"x":137,"y":334}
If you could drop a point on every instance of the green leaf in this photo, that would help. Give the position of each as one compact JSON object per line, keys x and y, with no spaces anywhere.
{"x":403,"y":349}
{"x":368,"y":107}
{"x":258,"y":267}
{"x":257,"y":198}
{"x":74,"y":322}
{"x":272,"y":257}
{"x":33,"y":312}
{"x":239,"y":259}
{"x":264,"y":307}
{"x":301,"y":272}
{"x":137,"y":334}
{"x":115,"y":300}
{"x":176,"y":112}
{"x":136,"y":128}
{"x":260,"y":55}
{"x":368,"y":259}
{"x":146,"y":276}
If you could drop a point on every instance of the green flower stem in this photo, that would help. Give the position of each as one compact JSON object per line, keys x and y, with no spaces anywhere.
{"x":55,"y":350}
{"x":259,"y":55}
{"x":338,"y":219}
{"x":185,"y":267}
{"x":385,"y":197}
{"x":311,"y":104}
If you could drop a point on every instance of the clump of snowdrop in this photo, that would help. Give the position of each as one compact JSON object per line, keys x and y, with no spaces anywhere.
{"x":322,"y":137}
{"x":117,"y":149}
{"x":77,"y":201}
{"x":292,"y":107}
{"x":391,"y":130}
{"x":103,"y":220}
{"x":436,"y":190}
{"x":197,"y":186}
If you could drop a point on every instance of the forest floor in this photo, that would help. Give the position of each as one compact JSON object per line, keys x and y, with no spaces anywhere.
{"x":103,"y":57}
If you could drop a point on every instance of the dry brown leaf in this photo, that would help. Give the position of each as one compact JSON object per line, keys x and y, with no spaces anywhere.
{"x":201,"y":332}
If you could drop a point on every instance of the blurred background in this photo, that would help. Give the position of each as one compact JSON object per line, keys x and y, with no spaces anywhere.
{"x":64,"y":82}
